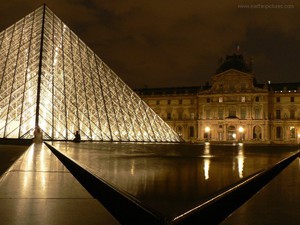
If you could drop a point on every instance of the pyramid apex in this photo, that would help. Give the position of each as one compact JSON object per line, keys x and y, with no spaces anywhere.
{"x":50,"y":79}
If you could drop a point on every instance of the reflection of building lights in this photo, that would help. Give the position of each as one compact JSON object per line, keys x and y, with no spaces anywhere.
{"x":241,"y":159}
{"x":206,"y":168}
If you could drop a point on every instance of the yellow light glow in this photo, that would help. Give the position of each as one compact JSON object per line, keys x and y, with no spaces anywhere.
{"x":206,"y":168}
{"x":241,"y":129}
{"x":207,"y":129}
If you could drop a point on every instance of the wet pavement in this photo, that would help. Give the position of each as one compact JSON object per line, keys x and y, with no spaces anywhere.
{"x":276,"y":204}
{"x":173,"y":178}
{"x":38,"y":189}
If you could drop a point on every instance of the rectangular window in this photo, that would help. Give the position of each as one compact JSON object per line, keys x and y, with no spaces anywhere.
{"x":192,"y":133}
{"x":292,"y":99}
{"x":169,"y":102}
{"x":208,"y":100}
{"x":243,"y":99}
{"x":157,"y":102}
{"x":169,"y":116}
{"x":220,"y":99}
{"x":180,"y":101}
{"x":257,"y":98}
{"x":277,"y":99}
{"x":278,"y":114}
{"x":278,"y":132}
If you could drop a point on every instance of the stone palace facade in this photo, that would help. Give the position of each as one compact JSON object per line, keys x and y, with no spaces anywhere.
{"x":232,"y":108}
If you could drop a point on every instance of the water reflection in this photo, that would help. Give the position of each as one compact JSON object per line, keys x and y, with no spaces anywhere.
{"x":241,"y":160}
{"x":171,"y":177}
{"x":206,"y":160}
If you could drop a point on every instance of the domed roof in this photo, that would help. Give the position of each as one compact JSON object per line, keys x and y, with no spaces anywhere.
{"x":236,"y":62}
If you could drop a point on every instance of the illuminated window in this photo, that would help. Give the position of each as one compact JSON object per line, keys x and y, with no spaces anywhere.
{"x":220,"y":99}
{"x":292,"y":132}
{"x":243,"y":98}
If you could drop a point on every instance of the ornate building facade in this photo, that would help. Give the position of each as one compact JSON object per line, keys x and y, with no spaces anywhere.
{"x":232,"y":108}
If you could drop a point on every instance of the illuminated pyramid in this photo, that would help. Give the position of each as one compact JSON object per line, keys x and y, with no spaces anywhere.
{"x":51,"y":79}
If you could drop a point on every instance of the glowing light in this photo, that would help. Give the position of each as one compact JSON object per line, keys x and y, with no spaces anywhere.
{"x":207,"y":129}
{"x":68,"y":88}
{"x":241,"y":129}
{"x":241,"y":160}
{"x":206,"y":168}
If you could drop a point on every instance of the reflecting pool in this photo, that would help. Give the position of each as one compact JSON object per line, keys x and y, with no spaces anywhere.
{"x":173,"y":178}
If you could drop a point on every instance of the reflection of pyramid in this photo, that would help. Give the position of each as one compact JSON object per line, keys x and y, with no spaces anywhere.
{"x":51,"y":79}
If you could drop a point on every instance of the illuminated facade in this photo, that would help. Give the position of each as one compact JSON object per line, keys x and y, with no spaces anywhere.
{"x":232,"y":108}
{"x":49,"y":78}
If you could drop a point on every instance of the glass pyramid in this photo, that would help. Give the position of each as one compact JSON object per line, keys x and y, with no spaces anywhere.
{"x":51,"y":79}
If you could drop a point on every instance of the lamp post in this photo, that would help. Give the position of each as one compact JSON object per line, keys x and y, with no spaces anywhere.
{"x":241,"y":131}
{"x":207,"y":133}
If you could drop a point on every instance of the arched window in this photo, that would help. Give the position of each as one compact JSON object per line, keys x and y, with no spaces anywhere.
{"x":256,"y":132}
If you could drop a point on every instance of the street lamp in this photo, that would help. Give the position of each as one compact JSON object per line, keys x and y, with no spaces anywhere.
{"x":241,"y":131}
{"x":207,"y":133}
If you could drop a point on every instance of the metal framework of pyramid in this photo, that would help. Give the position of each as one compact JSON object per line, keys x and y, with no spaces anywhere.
{"x":51,"y":79}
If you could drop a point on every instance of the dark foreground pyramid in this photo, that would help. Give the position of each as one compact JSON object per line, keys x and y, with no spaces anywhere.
{"x":49,"y":78}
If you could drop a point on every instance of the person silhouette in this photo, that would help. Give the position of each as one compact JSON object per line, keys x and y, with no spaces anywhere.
{"x":77,"y":137}
{"x":38,"y":135}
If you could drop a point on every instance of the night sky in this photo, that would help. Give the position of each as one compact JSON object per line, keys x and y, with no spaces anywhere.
{"x":169,"y":43}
